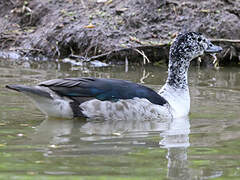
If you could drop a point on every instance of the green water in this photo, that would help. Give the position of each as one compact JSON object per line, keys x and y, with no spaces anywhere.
{"x":204,"y":146}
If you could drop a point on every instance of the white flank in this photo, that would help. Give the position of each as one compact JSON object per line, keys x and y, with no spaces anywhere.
{"x":135,"y":109}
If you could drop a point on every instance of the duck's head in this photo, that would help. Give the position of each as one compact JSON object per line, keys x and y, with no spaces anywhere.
{"x":191,"y":45}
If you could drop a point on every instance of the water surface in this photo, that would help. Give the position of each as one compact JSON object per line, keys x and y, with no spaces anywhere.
{"x":205,"y":145}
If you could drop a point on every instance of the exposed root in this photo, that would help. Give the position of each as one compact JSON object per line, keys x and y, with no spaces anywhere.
{"x":132,"y":53}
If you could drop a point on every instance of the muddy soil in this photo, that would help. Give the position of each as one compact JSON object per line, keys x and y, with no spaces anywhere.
{"x":60,"y":28}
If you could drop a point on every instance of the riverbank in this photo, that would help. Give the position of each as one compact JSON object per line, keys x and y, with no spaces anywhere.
{"x":86,"y":28}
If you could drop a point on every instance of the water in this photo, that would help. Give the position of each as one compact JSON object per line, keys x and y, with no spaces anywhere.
{"x":204,"y":146}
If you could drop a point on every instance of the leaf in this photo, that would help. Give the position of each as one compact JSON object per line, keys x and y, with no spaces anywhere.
{"x":90,"y":26}
{"x":205,"y":10}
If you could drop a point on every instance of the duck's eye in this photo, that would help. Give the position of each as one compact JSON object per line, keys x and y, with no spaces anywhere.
{"x":199,"y":39}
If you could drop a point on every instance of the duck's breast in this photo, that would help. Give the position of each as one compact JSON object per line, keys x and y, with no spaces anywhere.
{"x":178,"y":99}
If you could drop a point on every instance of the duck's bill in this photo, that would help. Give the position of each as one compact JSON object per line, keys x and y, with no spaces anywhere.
{"x":213,"y":49}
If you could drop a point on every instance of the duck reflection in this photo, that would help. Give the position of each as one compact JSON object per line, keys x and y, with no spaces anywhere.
{"x":176,"y":140}
{"x":174,"y":135}
{"x":53,"y":131}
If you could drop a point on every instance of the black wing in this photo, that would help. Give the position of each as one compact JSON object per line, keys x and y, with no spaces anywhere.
{"x":102,"y":89}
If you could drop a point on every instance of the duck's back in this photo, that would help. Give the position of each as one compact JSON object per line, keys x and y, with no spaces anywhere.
{"x":102,"y":89}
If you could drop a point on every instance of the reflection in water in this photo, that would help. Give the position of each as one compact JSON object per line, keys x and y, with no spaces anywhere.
{"x":174,"y":134}
{"x":53,"y":132}
{"x":176,"y":140}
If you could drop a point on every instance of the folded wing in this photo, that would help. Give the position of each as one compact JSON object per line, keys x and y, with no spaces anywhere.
{"x":83,"y":89}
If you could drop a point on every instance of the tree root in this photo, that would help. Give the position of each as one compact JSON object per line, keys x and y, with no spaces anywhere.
{"x":133,"y":54}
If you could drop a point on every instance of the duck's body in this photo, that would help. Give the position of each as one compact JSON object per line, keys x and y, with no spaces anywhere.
{"x":96,"y":98}
{"x":119,"y":99}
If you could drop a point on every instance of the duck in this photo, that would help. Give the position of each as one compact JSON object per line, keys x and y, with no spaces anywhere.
{"x":94,"y":98}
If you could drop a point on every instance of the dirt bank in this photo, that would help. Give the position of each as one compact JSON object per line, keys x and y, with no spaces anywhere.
{"x":92,"y":27}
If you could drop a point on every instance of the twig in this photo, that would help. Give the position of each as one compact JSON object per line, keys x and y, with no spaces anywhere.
{"x":124,"y":50}
{"x":83,"y":4}
{"x":12,"y":2}
{"x":144,"y":56}
{"x":105,"y":55}
{"x":144,"y":76}
{"x":228,"y":49}
{"x":135,"y":40}
{"x":226,"y":40}
{"x":215,"y":61}
{"x":82,"y":58}
{"x":27,"y":49}
{"x":126,"y":64}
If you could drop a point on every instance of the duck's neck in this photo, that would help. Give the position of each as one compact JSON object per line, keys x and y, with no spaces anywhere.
{"x":175,"y":90}
{"x":178,"y":73}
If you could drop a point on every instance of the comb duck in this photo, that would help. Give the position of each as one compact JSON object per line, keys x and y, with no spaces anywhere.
{"x":91,"y":97}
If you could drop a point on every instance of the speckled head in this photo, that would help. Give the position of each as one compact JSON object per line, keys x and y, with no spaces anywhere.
{"x":191,"y":45}
{"x":185,"y":48}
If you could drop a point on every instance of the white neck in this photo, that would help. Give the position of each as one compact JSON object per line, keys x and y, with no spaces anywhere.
{"x":175,"y":90}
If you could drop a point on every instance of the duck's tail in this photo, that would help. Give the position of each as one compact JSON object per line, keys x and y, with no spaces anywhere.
{"x":29,"y":90}
{"x":48,"y":102}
